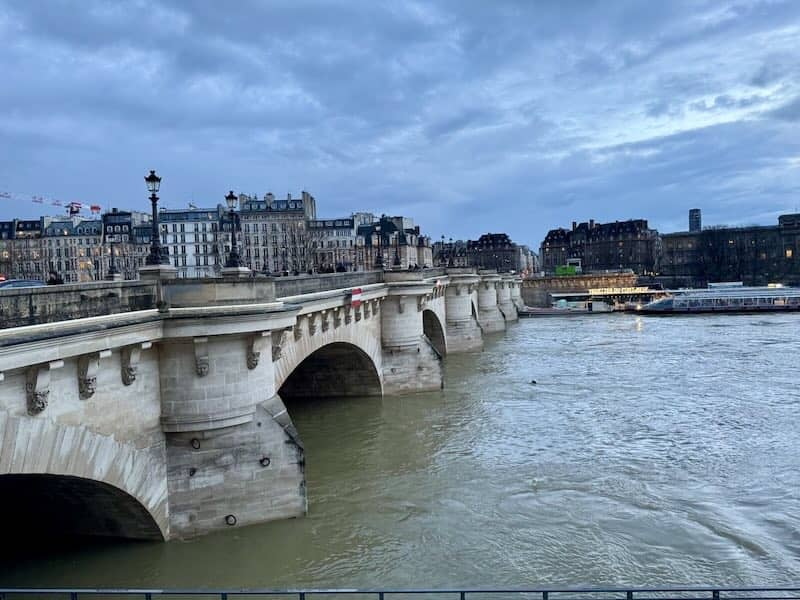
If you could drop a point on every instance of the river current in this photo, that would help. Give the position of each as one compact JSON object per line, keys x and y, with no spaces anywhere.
{"x":650,"y":451}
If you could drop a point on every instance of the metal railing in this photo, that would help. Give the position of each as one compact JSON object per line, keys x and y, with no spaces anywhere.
{"x":653,"y":593}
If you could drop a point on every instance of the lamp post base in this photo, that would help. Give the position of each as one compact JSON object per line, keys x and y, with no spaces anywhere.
{"x":157,"y":272}
{"x":113,"y":277}
{"x":236,"y":272}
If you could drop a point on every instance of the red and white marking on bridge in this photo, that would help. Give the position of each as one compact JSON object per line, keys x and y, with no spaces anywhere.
{"x":355,"y":297}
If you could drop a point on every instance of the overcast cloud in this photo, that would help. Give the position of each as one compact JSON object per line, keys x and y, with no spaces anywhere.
{"x":468,"y":116}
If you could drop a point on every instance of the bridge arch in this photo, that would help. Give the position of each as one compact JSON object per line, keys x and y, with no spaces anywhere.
{"x":48,"y":505}
{"x":333,"y":370}
{"x":360,"y":343}
{"x":56,"y":471}
{"x":434,"y":330}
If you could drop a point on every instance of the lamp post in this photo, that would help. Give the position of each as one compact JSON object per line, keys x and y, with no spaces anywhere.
{"x":233,"y":258}
{"x":397,"y":250}
{"x":450,"y":253}
{"x":112,"y":268}
{"x":155,"y":257}
{"x":379,"y":256}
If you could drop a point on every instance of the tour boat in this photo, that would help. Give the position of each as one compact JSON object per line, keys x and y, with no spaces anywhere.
{"x":727,"y":299}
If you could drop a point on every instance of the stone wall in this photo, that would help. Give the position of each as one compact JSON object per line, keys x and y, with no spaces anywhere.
{"x":309,"y":284}
{"x":537,"y":291}
{"x":29,"y":306}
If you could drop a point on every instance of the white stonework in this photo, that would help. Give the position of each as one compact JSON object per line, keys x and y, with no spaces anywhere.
{"x":180,"y":410}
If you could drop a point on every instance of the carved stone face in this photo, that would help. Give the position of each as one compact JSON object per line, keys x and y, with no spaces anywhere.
{"x":128,"y":375}
{"x":87,"y":387}
{"x":202,"y":367}
{"x":252,"y":359}
{"x":37,"y":402}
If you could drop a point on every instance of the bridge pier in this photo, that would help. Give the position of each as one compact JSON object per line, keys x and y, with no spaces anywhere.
{"x":463,"y":331}
{"x":504,"y":302}
{"x":225,"y":440}
{"x":489,"y":315}
{"x":410,"y":362}
{"x":516,"y":294}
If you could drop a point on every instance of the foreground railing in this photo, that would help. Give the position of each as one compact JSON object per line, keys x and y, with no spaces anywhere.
{"x":655,"y":593}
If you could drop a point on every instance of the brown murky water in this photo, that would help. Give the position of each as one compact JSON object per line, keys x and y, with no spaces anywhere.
{"x":651,"y":451}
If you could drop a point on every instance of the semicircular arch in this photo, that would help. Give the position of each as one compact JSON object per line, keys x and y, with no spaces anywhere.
{"x":365,"y":339}
{"x":128,"y":483}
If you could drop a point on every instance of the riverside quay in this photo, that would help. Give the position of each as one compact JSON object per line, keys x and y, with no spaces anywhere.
{"x":154,"y":409}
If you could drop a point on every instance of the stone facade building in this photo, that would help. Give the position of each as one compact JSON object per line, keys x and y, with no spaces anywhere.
{"x":275,"y":236}
{"x":450,"y":253}
{"x":336,"y":244}
{"x":497,"y":251}
{"x":603,"y":247}
{"x":395,"y":243}
{"x":755,"y":255}
{"x":193,"y":240}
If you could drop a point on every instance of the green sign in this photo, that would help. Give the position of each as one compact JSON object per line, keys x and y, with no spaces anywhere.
{"x":562,"y":270}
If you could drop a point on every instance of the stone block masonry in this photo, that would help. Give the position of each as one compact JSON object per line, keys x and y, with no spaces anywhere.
{"x":155,"y":410}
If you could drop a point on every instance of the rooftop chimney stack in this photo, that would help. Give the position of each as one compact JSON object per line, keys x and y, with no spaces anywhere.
{"x":574,"y":225}
{"x":695,"y":220}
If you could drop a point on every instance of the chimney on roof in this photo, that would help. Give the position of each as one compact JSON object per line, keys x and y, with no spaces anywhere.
{"x":591,"y":223}
{"x":574,"y":225}
{"x":288,"y":196}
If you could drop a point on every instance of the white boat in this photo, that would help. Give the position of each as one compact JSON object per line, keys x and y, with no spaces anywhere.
{"x":727,"y":299}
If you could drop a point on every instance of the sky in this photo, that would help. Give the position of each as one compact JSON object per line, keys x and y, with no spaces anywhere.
{"x":469,"y":116}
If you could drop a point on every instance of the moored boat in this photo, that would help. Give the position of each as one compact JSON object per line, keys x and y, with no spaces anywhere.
{"x":738,"y":299}
{"x":563,"y":308}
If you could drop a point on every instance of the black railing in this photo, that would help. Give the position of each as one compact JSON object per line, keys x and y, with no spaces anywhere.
{"x":654,"y":593}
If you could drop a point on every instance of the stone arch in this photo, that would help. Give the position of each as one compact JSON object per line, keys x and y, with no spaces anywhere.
{"x":333,"y":370}
{"x":434,"y":331}
{"x":125,"y":487}
{"x":363,"y":335}
{"x":46,"y":505}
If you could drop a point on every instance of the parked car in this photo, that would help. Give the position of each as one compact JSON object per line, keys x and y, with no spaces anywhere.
{"x":20,"y":283}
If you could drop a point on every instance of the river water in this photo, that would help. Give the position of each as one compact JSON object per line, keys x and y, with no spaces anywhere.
{"x":650,"y":451}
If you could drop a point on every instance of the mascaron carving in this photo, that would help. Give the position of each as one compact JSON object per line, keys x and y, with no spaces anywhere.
{"x":255,"y":345}
{"x":278,"y":338}
{"x":129,"y":361}
{"x":201,"y":361}
{"x":88,"y":367}
{"x":37,"y":386}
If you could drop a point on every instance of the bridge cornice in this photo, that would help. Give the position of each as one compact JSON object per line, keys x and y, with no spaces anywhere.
{"x":36,"y":344}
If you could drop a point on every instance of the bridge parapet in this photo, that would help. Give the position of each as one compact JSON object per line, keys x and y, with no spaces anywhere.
{"x":48,"y":304}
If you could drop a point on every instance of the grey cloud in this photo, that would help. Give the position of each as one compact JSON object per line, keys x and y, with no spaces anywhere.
{"x":789,"y":111}
{"x":462,"y":113}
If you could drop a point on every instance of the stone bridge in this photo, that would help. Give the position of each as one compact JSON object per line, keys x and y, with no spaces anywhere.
{"x":155,"y":409}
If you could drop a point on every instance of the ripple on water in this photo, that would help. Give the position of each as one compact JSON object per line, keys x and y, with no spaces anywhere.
{"x":650,"y":452}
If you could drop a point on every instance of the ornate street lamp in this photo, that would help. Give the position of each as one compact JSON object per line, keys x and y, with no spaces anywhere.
{"x":155,"y":257}
{"x":112,"y":269}
{"x":397,"y":249}
{"x":379,"y":256}
{"x":452,"y":250}
{"x":233,"y":258}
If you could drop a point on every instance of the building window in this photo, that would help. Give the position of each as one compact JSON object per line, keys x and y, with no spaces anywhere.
{"x":789,"y":252}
